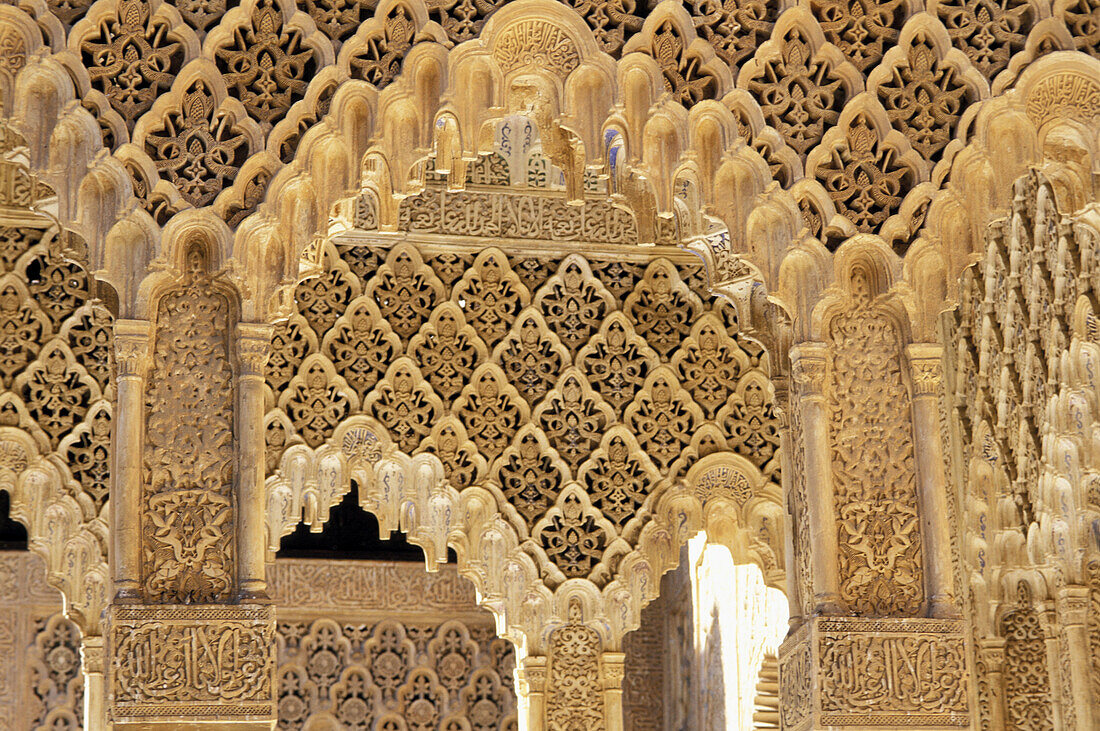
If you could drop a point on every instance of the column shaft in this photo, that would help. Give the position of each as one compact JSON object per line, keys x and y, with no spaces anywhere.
{"x":132,"y":358}
{"x":926,"y":369}
{"x":809,"y":368}
{"x":254,"y":344}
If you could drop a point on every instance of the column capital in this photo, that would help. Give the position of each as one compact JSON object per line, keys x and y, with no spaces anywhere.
{"x":253,"y":347}
{"x":926,"y":366}
{"x":132,"y":340}
{"x":613,"y":669}
{"x":92,"y":654}
{"x":808,"y":368}
{"x":1072,"y":605}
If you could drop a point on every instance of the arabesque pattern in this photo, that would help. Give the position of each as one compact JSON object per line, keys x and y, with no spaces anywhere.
{"x":574,"y":386}
{"x":236,"y":80}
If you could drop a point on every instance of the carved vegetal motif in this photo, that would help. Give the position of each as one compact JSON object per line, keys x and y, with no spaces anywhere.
{"x":574,"y":693}
{"x":1026,"y":673}
{"x":865,"y":176}
{"x":198,"y":146}
{"x":531,"y":356}
{"x":530,"y":473}
{"x":396,"y":674}
{"x":228,"y":666}
{"x":448,"y":350}
{"x":338,"y":19}
{"x":574,"y":417}
{"x":800,"y":90}
{"x":491,"y":410}
{"x":266,"y":63}
{"x":574,"y":302}
{"x":379,"y":54}
{"x":862,"y":30}
{"x":187,"y":534}
{"x":549,"y":400}
{"x":406,"y":404}
{"x":491,"y":296}
{"x":663,"y":308}
{"x":684,"y":73}
{"x":361,"y":345}
{"x":132,"y":57}
{"x":618,"y":476}
{"x":405,"y":290}
{"x":989,"y":33}
{"x":735,"y":28}
{"x":1093,"y":624}
{"x":663,"y":418}
{"x":925,"y":98}
{"x":873,"y":464}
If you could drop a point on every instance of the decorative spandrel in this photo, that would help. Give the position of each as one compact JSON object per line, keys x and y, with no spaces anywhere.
{"x":576,"y":387}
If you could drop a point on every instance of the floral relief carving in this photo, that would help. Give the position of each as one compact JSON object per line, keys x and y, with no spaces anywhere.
{"x":447,"y":350}
{"x":988,"y":32}
{"x":491,"y":295}
{"x":873,"y":466}
{"x":530,"y":473}
{"x":405,"y":290}
{"x":406,"y":404}
{"x":925,"y":95}
{"x":198,"y":146}
{"x":574,"y":697}
{"x":132,"y":57}
{"x":378,"y":49}
{"x":865,"y":175}
{"x":1026,"y":674}
{"x":266,"y":62}
{"x":802,"y":86}
{"x":862,"y":30}
{"x":735,"y":28}
{"x":662,"y":308}
{"x":187,"y":533}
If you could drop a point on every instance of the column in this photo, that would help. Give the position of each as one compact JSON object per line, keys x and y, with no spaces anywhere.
{"x":531,"y":690}
{"x":992,"y":653}
{"x":793,"y":590}
{"x":926,"y":368}
{"x":808,"y":366}
{"x":132,"y":360}
{"x":613,"y":666}
{"x":1072,"y":606}
{"x":253,"y":348}
{"x":95,"y":700}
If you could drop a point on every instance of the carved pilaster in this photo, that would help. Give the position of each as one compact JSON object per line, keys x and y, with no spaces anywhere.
{"x":926,"y":370}
{"x":132,"y":358}
{"x":809,"y":368}
{"x":847,"y":672}
{"x":173,"y":665}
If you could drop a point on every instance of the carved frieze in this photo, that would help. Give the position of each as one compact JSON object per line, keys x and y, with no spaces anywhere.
{"x":191,"y":663}
{"x":850,"y":672}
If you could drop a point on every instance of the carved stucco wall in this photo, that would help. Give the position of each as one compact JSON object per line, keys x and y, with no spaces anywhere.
{"x":359,"y":642}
